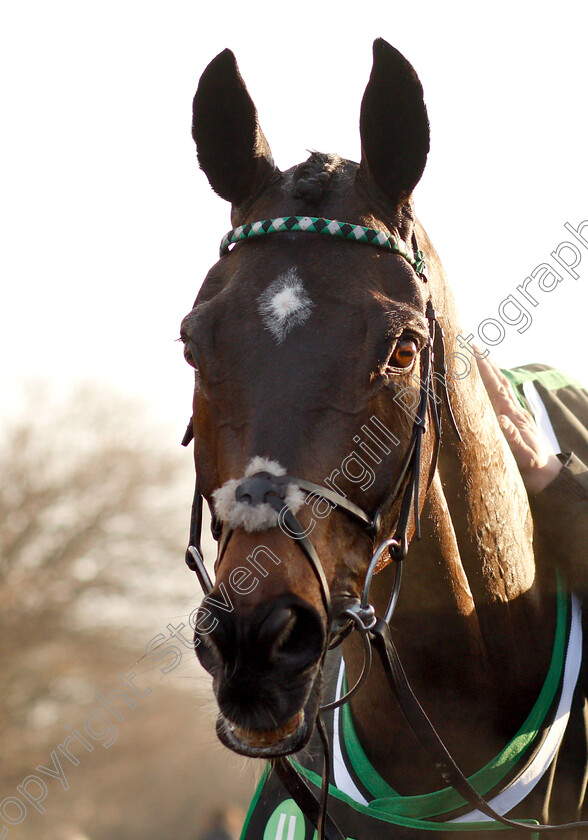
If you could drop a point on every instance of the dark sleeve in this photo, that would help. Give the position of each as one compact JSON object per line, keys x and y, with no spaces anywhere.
{"x":560,"y":513}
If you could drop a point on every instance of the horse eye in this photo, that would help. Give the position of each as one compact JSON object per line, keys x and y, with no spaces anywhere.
{"x":404,"y":353}
{"x":188,"y":355}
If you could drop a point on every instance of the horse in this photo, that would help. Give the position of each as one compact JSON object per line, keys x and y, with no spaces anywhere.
{"x":340,"y":426}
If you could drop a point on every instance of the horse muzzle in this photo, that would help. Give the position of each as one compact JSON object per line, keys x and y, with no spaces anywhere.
{"x":266,"y":673}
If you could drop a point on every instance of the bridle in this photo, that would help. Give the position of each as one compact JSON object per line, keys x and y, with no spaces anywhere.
{"x":254,"y":489}
{"x":266,"y":488}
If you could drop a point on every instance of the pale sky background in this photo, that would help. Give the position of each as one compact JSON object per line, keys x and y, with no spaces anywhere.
{"x":108,"y":227}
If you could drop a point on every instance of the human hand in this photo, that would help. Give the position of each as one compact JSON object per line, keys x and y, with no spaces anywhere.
{"x":537,"y":464}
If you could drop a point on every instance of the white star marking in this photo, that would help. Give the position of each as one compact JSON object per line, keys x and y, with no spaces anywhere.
{"x":284,"y":305}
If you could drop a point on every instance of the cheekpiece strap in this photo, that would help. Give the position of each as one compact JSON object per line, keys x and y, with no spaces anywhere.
{"x":328,"y":227}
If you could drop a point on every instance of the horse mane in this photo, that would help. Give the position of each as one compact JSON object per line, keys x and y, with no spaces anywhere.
{"x":311,"y":179}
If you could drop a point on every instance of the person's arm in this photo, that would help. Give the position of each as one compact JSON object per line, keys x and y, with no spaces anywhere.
{"x":557,"y":484}
{"x":538,"y":465}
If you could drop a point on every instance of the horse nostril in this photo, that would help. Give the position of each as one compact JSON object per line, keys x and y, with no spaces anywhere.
{"x":293,"y":636}
{"x":276,"y":628}
{"x":207,"y":656}
{"x":286,"y":634}
{"x":213,"y":638}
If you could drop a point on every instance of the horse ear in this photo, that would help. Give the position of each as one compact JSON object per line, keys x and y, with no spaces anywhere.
{"x":393,"y":125}
{"x":232,"y":151}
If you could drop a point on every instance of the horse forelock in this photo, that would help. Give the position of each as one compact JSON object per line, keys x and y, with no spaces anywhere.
{"x":311,"y":178}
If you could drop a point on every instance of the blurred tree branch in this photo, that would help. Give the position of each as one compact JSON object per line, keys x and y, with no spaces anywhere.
{"x":93,"y":505}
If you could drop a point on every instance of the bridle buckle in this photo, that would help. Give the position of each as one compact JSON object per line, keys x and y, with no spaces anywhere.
{"x":364,"y":617}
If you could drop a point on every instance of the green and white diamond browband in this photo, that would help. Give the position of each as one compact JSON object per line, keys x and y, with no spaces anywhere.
{"x":329,"y":227}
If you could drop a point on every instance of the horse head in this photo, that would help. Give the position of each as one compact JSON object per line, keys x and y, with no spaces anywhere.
{"x":315,"y":418}
{"x":308,"y":353}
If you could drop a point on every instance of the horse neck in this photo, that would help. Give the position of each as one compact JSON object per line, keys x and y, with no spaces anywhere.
{"x":472,"y":625}
{"x":486,"y":499}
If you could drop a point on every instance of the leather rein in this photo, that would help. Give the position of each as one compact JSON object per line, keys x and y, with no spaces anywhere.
{"x":359,"y":614}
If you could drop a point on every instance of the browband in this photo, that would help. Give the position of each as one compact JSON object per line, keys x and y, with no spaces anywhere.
{"x":329,"y":227}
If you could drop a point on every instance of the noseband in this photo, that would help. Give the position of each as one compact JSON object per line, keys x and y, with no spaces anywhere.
{"x":265,"y":488}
